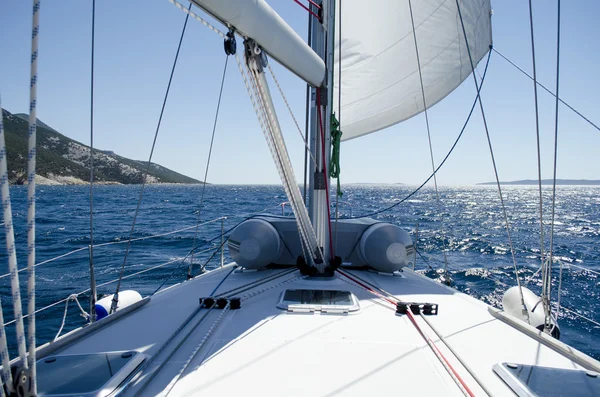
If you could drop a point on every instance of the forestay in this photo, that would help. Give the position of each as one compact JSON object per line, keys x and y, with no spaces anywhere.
{"x":380,"y":77}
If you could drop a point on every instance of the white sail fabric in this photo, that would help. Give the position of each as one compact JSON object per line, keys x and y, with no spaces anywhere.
{"x":380,"y":76}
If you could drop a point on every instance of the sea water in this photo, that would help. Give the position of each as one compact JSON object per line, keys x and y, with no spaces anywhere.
{"x":468,"y":223}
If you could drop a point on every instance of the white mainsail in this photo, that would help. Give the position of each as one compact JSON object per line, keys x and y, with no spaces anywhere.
{"x":380,"y":76}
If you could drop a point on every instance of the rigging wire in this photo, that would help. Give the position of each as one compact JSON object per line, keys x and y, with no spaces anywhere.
{"x":212,"y":139}
{"x":306,"y":122}
{"x":93,"y":295}
{"x":554,"y":174}
{"x":547,"y":90}
{"x":291,"y":114}
{"x":487,"y":133}
{"x":145,"y":175}
{"x":336,"y":140}
{"x":371,"y":214}
{"x":437,"y":196}
{"x":539,"y":155}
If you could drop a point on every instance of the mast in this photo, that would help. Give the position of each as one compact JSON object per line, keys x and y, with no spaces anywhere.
{"x":322,"y":42}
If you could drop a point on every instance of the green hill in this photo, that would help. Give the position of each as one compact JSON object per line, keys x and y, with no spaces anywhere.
{"x":60,"y":158}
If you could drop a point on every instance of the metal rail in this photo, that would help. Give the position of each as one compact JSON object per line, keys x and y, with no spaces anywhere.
{"x":108,"y":283}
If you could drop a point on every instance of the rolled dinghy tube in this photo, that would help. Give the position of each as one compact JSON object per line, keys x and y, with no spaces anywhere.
{"x":386,"y":247}
{"x":511,"y":302}
{"x":255,"y":244}
{"x":126,"y":298}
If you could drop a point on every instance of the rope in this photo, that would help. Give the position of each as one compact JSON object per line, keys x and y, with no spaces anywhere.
{"x":539,"y":156}
{"x":91,"y":247}
{"x":10,"y":250}
{"x":291,"y":114}
{"x":547,"y":90}
{"x":185,"y":366}
{"x":320,"y":124}
{"x":115,"y":300}
{"x":147,"y":364}
{"x":548,"y":320}
{"x":84,"y":314}
{"x":307,"y":9}
{"x":334,"y":161}
{"x":189,"y":12}
{"x":437,"y":196}
{"x":258,"y":96}
{"x":30,"y":361}
{"x":487,"y":133}
{"x":212,"y":140}
{"x":439,"y":355}
{"x":371,"y":214}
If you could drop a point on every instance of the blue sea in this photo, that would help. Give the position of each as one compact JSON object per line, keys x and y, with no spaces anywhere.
{"x":468,"y":223}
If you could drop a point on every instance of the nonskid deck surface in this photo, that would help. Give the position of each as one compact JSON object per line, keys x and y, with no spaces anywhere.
{"x":260,"y":349}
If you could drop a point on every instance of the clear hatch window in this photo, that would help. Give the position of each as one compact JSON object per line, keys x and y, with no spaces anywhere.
{"x":89,"y":375}
{"x":535,"y":380}
{"x":311,"y":300}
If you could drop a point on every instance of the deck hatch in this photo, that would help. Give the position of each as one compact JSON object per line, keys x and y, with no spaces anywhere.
{"x":312,"y":300}
{"x":535,"y":380}
{"x":98,"y":374}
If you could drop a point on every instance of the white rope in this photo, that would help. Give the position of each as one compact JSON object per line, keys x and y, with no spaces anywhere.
{"x":263,"y":121}
{"x":197,"y":17}
{"x":292,"y":114}
{"x":212,"y":328}
{"x":11,"y":252}
{"x":84,"y":314}
{"x":281,"y":157}
{"x":31,"y":199}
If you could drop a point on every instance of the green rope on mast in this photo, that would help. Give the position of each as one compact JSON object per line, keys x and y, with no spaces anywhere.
{"x":334,"y":161}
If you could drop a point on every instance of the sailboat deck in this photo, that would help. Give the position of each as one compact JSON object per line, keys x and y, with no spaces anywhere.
{"x":260,"y":349}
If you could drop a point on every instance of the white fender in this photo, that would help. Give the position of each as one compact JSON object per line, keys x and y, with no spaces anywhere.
{"x":126,"y":298}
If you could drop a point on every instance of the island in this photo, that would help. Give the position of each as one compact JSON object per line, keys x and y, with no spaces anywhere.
{"x":61,"y":160}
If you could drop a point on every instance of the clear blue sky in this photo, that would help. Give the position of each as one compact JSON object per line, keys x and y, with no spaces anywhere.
{"x":136,"y":43}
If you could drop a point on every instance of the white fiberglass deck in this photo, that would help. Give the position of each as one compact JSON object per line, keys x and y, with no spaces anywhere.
{"x":262,"y":350}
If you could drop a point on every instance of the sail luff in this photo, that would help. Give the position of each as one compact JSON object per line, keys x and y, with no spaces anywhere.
{"x":380,"y":85}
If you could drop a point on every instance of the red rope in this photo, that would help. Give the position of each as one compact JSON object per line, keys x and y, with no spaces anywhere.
{"x":308,"y":9}
{"x":315,"y":4}
{"x":430,"y":342}
{"x":319,"y":117}
{"x":414,"y":322}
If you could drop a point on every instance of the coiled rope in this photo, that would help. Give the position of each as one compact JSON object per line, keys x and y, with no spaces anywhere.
{"x":334,"y":161}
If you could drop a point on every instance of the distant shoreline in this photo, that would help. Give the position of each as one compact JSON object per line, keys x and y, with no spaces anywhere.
{"x":546,"y":182}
